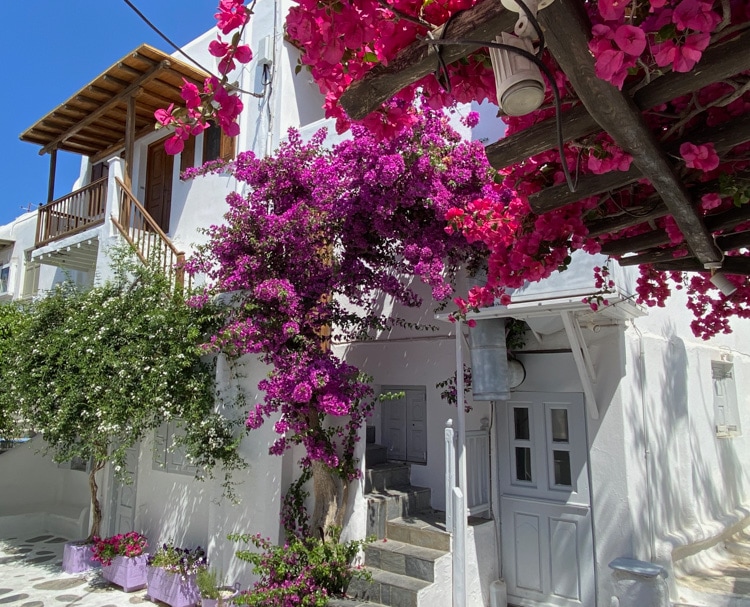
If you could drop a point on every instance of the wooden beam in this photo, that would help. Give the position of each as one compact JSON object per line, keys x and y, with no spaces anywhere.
{"x":568,"y":31}
{"x":718,"y":63}
{"x":648,"y":240}
{"x":725,"y":137}
{"x":105,"y":107}
{"x":730,"y":265}
{"x":559,"y":196}
{"x":119,"y":145}
{"x":607,"y":225}
{"x":481,"y":22}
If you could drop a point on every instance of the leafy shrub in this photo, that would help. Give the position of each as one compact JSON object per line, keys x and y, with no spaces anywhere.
{"x":304,"y":572}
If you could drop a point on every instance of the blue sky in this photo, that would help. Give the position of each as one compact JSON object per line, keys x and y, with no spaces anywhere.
{"x":50,"y":50}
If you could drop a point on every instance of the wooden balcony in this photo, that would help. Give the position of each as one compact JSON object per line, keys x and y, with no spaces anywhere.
{"x":71,"y":214}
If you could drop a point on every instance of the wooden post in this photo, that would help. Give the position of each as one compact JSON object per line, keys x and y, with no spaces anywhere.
{"x":130,"y":139}
{"x":52,"y":170}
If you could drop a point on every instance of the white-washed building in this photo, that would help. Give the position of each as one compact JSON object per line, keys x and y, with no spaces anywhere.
{"x":624,"y":437}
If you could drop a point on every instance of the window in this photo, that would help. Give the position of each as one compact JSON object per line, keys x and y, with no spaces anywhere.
{"x":217,"y":145}
{"x":168,"y":455}
{"x":726,"y":412}
{"x":4,"y":279}
{"x":523,"y":445}
{"x":187,"y":156}
{"x":30,"y":277}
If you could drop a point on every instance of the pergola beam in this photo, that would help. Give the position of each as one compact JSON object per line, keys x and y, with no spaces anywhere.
{"x":717,"y":63}
{"x":105,"y":107}
{"x":481,"y":22}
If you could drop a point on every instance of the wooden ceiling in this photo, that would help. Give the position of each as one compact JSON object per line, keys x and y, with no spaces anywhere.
{"x":92,"y":122}
{"x":603,"y":108}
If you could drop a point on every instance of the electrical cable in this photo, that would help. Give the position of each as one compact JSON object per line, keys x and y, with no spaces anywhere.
{"x":169,"y":41}
{"x":547,"y":72}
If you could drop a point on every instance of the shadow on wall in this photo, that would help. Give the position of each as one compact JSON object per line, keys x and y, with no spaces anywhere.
{"x":179,"y":514}
{"x":38,"y":491}
{"x":696,"y":478}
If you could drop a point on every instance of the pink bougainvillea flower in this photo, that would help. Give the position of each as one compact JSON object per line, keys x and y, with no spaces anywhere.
{"x":695,"y":15}
{"x":703,"y":157}
{"x":164,"y":116}
{"x":664,"y":53}
{"x":174,"y":145}
{"x":609,"y":63}
{"x":190,"y":94}
{"x":218,"y":48}
{"x":232,"y":15}
{"x":710,"y":201}
{"x":631,"y":39}
{"x":612,"y":10}
{"x":690,"y":52}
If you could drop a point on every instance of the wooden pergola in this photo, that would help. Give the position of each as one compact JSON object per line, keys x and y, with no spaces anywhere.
{"x":115,"y":109}
{"x":603,"y":108}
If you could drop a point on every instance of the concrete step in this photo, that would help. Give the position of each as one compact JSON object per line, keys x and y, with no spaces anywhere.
{"x":383,"y":506}
{"x":382,"y":477}
{"x":375,"y":455}
{"x":425,"y":529}
{"x":352,"y":603}
{"x":404,"y":559}
{"x":388,"y":588}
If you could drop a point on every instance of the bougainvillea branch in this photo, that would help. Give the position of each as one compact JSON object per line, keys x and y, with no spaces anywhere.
{"x":322,"y":235}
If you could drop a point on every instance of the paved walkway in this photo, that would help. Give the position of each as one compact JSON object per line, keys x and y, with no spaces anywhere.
{"x":31,"y":576}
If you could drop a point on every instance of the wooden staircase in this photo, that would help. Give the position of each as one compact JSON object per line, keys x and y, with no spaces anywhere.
{"x":150,"y":243}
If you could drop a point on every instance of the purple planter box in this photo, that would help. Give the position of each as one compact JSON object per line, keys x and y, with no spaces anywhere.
{"x":170,"y":588}
{"x":127,"y":571}
{"x":78,"y":557}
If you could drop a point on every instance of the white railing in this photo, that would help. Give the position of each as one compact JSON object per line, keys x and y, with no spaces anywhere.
{"x":478,"y":472}
{"x":450,"y":473}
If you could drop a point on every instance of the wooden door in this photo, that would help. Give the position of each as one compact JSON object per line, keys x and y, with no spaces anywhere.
{"x":404,"y":429}
{"x":547,"y":543}
{"x":158,"y":201}
{"x":124,"y":496}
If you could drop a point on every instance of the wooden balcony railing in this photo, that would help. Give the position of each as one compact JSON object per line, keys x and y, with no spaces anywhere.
{"x":78,"y":211}
{"x":148,"y":240}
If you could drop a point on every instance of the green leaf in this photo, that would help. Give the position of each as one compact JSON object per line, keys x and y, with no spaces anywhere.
{"x":668,"y":32}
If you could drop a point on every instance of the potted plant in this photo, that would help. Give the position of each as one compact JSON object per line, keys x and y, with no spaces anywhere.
{"x":213,"y":592}
{"x":170,"y":575}
{"x":123,"y":560}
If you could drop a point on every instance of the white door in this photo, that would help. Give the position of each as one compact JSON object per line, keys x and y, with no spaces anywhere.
{"x":404,"y":426}
{"x":123,"y":496}
{"x":547,"y":543}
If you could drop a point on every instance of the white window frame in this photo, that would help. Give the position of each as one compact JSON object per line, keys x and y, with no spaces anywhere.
{"x":726,"y":408}
{"x":168,"y":456}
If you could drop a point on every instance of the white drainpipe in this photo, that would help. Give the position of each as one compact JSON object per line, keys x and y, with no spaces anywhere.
{"x":459,"y":506}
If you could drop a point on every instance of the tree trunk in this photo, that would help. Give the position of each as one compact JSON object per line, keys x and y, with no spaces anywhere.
{"x":331,"y":496}
{"x":96,"y":523}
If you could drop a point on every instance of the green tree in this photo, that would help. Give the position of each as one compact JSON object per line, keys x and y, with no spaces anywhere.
{"x":94,"y":370}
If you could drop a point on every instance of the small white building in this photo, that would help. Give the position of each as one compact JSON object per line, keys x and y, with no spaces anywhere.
{"x":625,"y":436}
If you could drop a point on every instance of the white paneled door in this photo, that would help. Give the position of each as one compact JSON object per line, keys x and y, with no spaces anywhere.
{"x":404,"y":429}
{"x":547,"y":544}
{"x":123,"y":495}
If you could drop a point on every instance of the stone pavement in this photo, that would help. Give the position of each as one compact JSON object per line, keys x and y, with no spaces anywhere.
{"x":31,"y":575}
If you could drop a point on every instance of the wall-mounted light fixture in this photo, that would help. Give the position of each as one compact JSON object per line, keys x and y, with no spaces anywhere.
{"x":519,"y":84}
{"x":721,"y":282}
